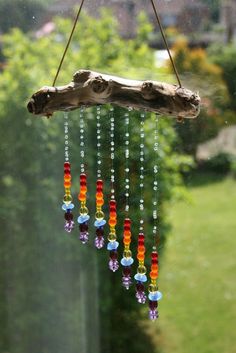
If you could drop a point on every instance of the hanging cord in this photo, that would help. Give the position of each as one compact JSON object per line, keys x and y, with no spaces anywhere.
{"x":165,"y":41}
{"x":68,"y":43}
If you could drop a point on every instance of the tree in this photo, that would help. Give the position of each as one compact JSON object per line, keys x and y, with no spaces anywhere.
{"x":25,"y":14}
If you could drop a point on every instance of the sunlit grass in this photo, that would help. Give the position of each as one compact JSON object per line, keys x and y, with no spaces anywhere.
{"x":198,"y":311}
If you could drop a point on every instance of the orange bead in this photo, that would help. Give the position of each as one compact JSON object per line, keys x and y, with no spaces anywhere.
{"x":99,"y":195}
{"x":67,"y":184}
{"x":153,"y":275}
{"x":67,"y":177}
{"x":140,"y":257}
{"x":127,"y":232}
{"x":81,"y":197}
{"x":112,"y":222}
{"x":113,"y":215}
{"x":83,"y":189}
{"x":113,"y":218}
{"x":154,"y":267}
{"x":141,"y":248}
{"x":126,"y":242}
{"x":100,"y":202}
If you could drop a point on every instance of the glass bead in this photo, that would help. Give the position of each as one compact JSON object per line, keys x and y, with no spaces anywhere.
{"x":68,"y":216}
{"x":83,"y":210}
{"x":142,"y":269}
{"x":67,"y":165}
{"x":67,"y":198}
{"x":99,"y":215}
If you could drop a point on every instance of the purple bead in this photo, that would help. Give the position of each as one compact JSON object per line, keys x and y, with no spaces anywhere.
{"x":140,"y":287}
{"x":141,"y":297}
{"x":68,"y":216}
{"x":84,"y":237}
{"x":127,"y":271}
{"x":83,"y":227}
{"x":100,"y":232}
{"x":153,"y":304}
{"x":113,"y":255}
{"x":140,"y":293}
{"x":113,"y":265}
{"x":126,"y":281}
{"x":153,"y":314}
{"x":69,"y":226}
{"x":99,"y":242}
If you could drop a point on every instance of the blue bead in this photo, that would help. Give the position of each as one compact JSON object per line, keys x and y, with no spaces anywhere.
{"x":154,"y":296}
{"x":127,"y":261}
{"x":100,"y":223}
{"x":112,"y":245}
{"x":140,"y":277}
{"x":83,"y":219}
{"x":67,"y":207}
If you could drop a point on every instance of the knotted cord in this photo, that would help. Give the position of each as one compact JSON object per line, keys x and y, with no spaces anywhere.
{"x":160,"y":27}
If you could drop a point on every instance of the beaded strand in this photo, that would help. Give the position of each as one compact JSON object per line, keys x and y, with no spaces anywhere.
{"x":112,"y":238}
{"x":83,"y":211}
{"x":154,"y":295}
{"x":67,"y":205}
{"x":99,"y":215}
{"x":127,"y":259}
{"x":140,"y":276}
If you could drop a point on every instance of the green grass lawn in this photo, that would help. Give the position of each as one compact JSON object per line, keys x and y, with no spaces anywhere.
{"x":198,"y":309}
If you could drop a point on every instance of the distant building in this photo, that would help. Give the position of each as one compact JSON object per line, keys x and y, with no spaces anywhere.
{"x":228,"y":19}
{"x":186,"y":15}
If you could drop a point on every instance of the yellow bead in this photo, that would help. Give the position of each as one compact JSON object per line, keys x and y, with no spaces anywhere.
{"x":142,"y":269}
{"x":112,"y":230}
{"x":83,"y":210}
{"x":127,"y":253}
{"x":111,"y":237}
{"x":99,"y":215}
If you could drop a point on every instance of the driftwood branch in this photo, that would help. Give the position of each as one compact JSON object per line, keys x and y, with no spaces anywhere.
{"x":90,"y":88}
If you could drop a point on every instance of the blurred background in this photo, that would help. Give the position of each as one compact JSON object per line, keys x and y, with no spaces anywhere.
{"x":58,"y":296}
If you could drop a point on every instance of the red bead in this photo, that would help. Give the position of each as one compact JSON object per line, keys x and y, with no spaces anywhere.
{"x":154,"y":261}
{"x":154,"y":255}
{"x":99,"y":189}
{"x":112,"y":209}
{"x":140,"y":242}
{"x":127,"y":221}
{"x":100,"y":183}
{"x":83,"y":177}
{"x":66,"y":171}
{"x":141,"y":236}
{"x":67,"y":165}
{"x":112,"y":203}
{"x":82,"y":183}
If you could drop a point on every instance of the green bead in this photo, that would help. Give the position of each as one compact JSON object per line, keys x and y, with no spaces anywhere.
{"x":127,"y":253}
{"x":99,"y":215}
{"x":83,"y":211}
{"x":142,"y":269}
{"x":112,"y":237}
{"x":67,"y":199}
{"x":153,"y":288}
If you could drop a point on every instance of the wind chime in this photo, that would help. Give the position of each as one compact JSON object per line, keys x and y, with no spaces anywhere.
{"x":89,"y":88}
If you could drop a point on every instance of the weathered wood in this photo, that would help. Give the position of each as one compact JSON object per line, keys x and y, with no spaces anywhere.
{"x":90,"y":88}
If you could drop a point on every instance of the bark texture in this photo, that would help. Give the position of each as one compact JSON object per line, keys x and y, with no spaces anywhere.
{"x":90,"y":88}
